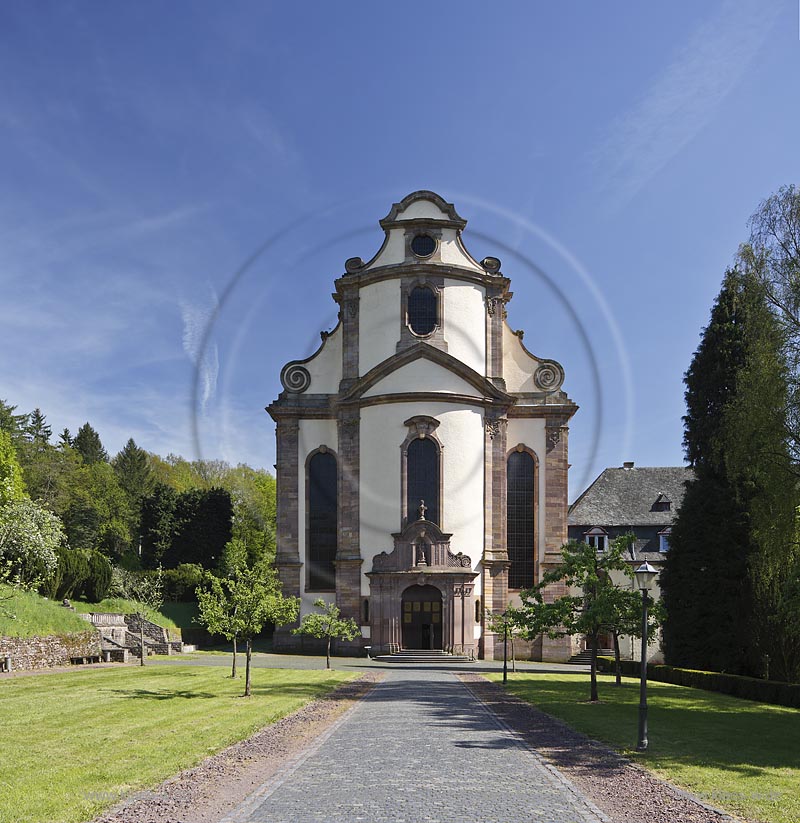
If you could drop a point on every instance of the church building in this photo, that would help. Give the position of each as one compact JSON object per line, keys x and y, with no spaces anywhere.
{"x":422,"y":449}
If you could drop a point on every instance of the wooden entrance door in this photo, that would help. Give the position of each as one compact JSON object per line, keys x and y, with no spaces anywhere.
{"x":422,"y":618}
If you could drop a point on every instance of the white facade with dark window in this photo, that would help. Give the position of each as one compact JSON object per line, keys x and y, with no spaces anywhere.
{"x":431,"y":437}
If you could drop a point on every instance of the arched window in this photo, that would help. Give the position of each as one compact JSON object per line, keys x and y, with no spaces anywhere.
{"x":520,"y":519}
{"x":423,"y":310}
{"x":423,"y":479}
{"x":322,"y":531}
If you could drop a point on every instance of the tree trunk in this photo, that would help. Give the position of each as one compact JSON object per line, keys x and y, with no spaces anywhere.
{"x":617,"y":663}
{"x":249,"y":649}
{"x":328,"y":653}
{"x":594,"y":698}
{"x":233,"y":665}
{"x":141,"y":639}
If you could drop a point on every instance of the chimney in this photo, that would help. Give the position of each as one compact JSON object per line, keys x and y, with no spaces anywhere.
{"x":628,"y":464}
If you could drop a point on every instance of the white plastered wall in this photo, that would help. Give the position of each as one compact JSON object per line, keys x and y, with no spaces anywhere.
{"x":382,"y":433}
{"x":453,"y":253}
{"x":422,"y":375}
{"x":518,"y":365}
{"x":325,"y":368}
{"x":311,"y":435}
{"x":465,"y":323}
{"x":378,"y":323}
{"x":392,"y":252}
{"x":530,"y":431}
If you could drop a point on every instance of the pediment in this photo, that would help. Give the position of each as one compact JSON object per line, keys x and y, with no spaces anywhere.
{"x":458,"y":375}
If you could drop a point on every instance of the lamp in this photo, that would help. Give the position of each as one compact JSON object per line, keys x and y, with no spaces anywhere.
{"x":645,"y":577}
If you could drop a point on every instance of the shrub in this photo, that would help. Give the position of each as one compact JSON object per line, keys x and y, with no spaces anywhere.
{"x":98,"y":582}
{"x":180,"y":583}
{"x":748,"y":688}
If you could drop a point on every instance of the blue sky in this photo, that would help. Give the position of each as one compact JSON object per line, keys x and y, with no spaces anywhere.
{"x":182,"y":182}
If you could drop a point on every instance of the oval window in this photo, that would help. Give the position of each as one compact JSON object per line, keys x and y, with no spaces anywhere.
{"x":422,"y":310}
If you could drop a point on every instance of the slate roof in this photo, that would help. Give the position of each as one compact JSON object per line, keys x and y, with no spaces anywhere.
{"x":626,"y":497}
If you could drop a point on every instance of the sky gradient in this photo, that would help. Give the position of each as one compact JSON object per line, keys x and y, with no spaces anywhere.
{"x":183,"y":182}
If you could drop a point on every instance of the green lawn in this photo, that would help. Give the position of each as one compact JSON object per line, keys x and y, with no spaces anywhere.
{"x":76,"y":743}
{"x":26,"y":614}
{"x":735,"y":754}
{"x":121,"y":606}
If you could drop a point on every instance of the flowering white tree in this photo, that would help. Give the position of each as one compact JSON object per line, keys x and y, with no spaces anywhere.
{"x":29,"y":536}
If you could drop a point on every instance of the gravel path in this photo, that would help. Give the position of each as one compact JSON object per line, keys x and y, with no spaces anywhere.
{"x":624,"y":791}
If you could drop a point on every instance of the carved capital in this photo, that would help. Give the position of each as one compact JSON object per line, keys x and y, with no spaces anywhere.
{"x":496,"y":427}
{"x":495,"y":304}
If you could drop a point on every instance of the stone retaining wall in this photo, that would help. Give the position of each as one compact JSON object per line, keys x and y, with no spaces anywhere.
{"x":49,"y":651}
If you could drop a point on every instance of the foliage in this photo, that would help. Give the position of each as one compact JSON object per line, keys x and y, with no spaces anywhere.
{"x":748,"y":688}
{"x":180,"y":583}
{"x":98,"y":582}
{"x":240,"y":605}
{"x":12,"y":486}
{"x":29,"y":537}
{"x":157,"y":524}
{"x":691,"y":734}
{"x":146,"y":592}
{"x":12,"y":424}
{"x":593,"y":601}
{"x":37,"y":430}
{"x":88,"y":445}
{"x":328,"y":624}
{"x":189,"y":710}
{"x":735,"y":525}
{"x":71,"y":572}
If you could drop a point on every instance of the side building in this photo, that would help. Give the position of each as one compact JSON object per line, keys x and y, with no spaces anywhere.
{"x":643,"y":501}
{"x":422,"y":450}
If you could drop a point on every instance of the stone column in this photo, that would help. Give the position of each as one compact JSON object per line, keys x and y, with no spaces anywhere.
{"x":287,"y":556}
{"x":495,"y":553}
{"x":348,"y":299}
{"x":496,"y":314}
{"x":348,"y":554}
{"x":555,"y":512}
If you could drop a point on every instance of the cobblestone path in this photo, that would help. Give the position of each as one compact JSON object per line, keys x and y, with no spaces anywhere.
{"x":420,"y":748}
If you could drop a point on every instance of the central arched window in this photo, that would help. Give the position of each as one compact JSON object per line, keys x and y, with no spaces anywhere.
{"x":423,"y":479}
{"x":520,"y":519}
{"x":423,"y":310}
{"x":322,"y":526}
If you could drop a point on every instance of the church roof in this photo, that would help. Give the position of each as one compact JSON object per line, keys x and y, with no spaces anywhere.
{"x":647,"y":496}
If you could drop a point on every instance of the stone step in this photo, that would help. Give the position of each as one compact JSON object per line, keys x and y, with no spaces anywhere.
{"x":584,"y":658}
{"x":422,"y":656}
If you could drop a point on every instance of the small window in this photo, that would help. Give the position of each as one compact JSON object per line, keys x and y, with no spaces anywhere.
{"x":423,"y":245}
{"x":422,"y":464}
{"x":663,"y":540}
{"x":423,"y":314}
{"x":596,"y":538}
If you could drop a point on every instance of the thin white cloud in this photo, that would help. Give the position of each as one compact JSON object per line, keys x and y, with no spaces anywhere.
{"x":684,"y":99}
{"x":202,"y":353}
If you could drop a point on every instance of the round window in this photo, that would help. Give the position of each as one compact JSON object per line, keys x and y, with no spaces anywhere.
{"x":423,"y":245}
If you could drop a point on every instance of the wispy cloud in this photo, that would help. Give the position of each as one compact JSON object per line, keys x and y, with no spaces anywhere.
{"x":684,"y":98}
{"x":201,"y":352}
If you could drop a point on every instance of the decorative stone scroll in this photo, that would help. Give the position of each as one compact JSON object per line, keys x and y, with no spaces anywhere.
{"x":495,"y":427}
{"x":295,"y":378}
{"x":549,"y":376}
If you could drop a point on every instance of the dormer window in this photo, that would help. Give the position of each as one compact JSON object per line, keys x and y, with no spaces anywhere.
{"x":597,"y":538}
{"x":662,"y":503}
{"x":663,"y":539}
{"x":423,"y":311}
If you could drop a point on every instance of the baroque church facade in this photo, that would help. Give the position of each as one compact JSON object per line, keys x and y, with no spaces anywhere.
{"x":421,"y":450}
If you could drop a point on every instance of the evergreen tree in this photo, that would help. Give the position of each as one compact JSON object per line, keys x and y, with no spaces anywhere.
{"x":132,"y":468}
{"x":12,"y":486}
{"x":88,"y":445}
{"x":739,"y":506}
{"x":13,"y":424}
{"x":37,"y":430}
{"x":65,"y":439}
{"x":158,"y":524}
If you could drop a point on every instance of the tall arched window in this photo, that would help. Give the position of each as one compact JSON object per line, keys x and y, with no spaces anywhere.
{"x":423,"y":479}
{"x":423,"y":310}
{"x":322,"y":530}
{"x":520,"y":519}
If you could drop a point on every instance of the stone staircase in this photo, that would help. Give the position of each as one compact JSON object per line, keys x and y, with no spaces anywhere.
{"x":584,"y":658}
{"x":423,"y":656}
{"x":120,"y":636}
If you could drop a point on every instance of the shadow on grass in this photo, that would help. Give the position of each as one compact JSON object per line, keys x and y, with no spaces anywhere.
{"x":161,"y":694}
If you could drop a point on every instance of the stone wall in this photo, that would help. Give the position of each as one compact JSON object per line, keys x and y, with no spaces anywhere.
{"x":49,"y":651}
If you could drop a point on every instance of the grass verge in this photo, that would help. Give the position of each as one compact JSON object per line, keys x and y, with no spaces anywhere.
{"x":27,"y":614}
{"x":734,"y":754}
{"x":76,"y":743}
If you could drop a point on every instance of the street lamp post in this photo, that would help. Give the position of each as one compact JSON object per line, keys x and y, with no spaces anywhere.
{"x":505,"y":648}
{"x":645,"y":575}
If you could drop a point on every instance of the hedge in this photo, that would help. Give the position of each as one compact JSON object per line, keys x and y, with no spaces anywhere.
{"x":748,"y":688}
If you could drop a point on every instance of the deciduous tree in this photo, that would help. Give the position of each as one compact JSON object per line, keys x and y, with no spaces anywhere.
{"x":327,"y":624}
